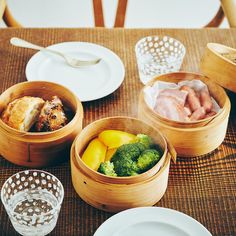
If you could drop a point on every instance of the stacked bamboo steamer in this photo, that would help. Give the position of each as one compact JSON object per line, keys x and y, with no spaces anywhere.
{"x":114,"y":194}
{"x":193,"y":138}
{"x":218,"y":67}
{"x":39,"y":149}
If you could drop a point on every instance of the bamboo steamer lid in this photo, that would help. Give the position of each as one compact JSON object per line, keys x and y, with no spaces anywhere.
{"x":190,"y":139}
{"x":118,"y":193}
{"x":219,"y":65}
{"x":39,"y":149}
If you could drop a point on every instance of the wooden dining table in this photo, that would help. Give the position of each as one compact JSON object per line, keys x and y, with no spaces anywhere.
{"x":203,"y":187}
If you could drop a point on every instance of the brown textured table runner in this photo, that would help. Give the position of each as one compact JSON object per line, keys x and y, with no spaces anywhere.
{"x":203,"y":187}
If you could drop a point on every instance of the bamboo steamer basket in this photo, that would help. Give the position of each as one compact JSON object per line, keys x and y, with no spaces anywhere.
{"x":114,"y":194}
{"x":219,"y":68}
{"x":190,"y":139}
{"x":39,"y":149}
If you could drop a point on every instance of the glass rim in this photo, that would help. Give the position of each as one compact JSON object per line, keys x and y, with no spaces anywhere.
{"x":159,"y":36}
{"x":43,"y":214}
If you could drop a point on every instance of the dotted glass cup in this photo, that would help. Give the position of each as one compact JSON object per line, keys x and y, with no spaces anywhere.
{"x":158,"y":55}
{"x":32,"y":199}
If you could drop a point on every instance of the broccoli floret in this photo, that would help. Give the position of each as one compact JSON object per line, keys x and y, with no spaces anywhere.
{"x":147,"y":160}
{"x":107,"y":168}
{"x":125,"y":167}
{"x":145,"y":140}
{"x":134,"y":158}
{"x":129,"y":151}
{"x":125,"y":158}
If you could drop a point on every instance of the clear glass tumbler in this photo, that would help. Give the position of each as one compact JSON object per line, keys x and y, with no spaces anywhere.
{"x":32,"y":199}
{"x":158,"y":55}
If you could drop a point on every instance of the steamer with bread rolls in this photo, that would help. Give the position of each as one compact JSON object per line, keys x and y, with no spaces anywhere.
{"x":195,"y":137}
{"x":34,"y":129}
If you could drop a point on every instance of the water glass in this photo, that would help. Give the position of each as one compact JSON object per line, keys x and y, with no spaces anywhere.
{"x":158,"y":55}
{"x":32,"y":199}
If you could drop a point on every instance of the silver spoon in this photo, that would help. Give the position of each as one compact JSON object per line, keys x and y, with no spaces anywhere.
{"x":70,"y":60}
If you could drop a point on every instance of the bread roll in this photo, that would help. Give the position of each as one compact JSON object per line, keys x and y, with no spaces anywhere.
{"x":23,"y":112}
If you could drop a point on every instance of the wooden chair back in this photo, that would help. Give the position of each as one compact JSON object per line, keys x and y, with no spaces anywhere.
{"x":229,"y":7}
{"x":97,"y":10}
{"x":2,"y":8}
{"x":122,"y":7}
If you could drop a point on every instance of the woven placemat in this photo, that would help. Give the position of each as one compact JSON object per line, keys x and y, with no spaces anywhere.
{"x":203,"y":187}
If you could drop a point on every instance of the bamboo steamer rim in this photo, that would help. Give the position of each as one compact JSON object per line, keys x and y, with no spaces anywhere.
{"x":211,"y":122}
{"x":43,"y":137}
{"x":127,"y":179}
{"x":190,"y":123}
{"x":195,"y":129}
{"x":202,"y":128}
{"x":111,"y":178}
{"x":156,"y":175}
{"x":151,"y":83}
{"x":211,"y":47}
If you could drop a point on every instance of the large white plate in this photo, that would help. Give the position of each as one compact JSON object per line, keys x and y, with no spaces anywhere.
{"x":88,"y":83}
{"x":151,"y":221}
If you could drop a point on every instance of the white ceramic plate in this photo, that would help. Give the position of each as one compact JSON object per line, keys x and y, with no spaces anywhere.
{"x":88,"y":83}
{"x":151,"y":221}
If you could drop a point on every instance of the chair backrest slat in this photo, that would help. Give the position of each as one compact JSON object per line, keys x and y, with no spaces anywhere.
{"x":98,"y":13}
{"x":121,"y":13}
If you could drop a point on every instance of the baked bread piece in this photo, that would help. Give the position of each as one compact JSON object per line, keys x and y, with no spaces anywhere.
{"x":23,"y":112}
{"x":52,"y":116}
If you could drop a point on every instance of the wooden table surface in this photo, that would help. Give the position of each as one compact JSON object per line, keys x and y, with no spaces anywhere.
{"x":203,"y":187}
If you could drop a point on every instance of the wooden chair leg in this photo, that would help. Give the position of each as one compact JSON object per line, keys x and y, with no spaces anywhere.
{"x":98,"y":13}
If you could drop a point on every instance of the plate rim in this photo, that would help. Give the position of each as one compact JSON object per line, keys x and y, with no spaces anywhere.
{"x":145,"y":210}
{"x":92,"y":97}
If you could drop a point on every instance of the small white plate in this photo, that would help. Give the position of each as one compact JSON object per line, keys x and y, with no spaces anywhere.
{"x":88,"y":83}
{"x":151,"y":221}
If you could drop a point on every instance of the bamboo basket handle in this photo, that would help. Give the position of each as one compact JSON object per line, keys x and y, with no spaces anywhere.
{"x":171,"y":151}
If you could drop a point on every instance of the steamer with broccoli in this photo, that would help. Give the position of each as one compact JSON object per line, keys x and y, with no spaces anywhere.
{"x":120,"y":162}
{"x":132,"y":154}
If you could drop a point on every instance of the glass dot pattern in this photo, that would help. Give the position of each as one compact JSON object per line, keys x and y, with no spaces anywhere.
{"x":159,"y":55}
{"x":41,"y":195}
